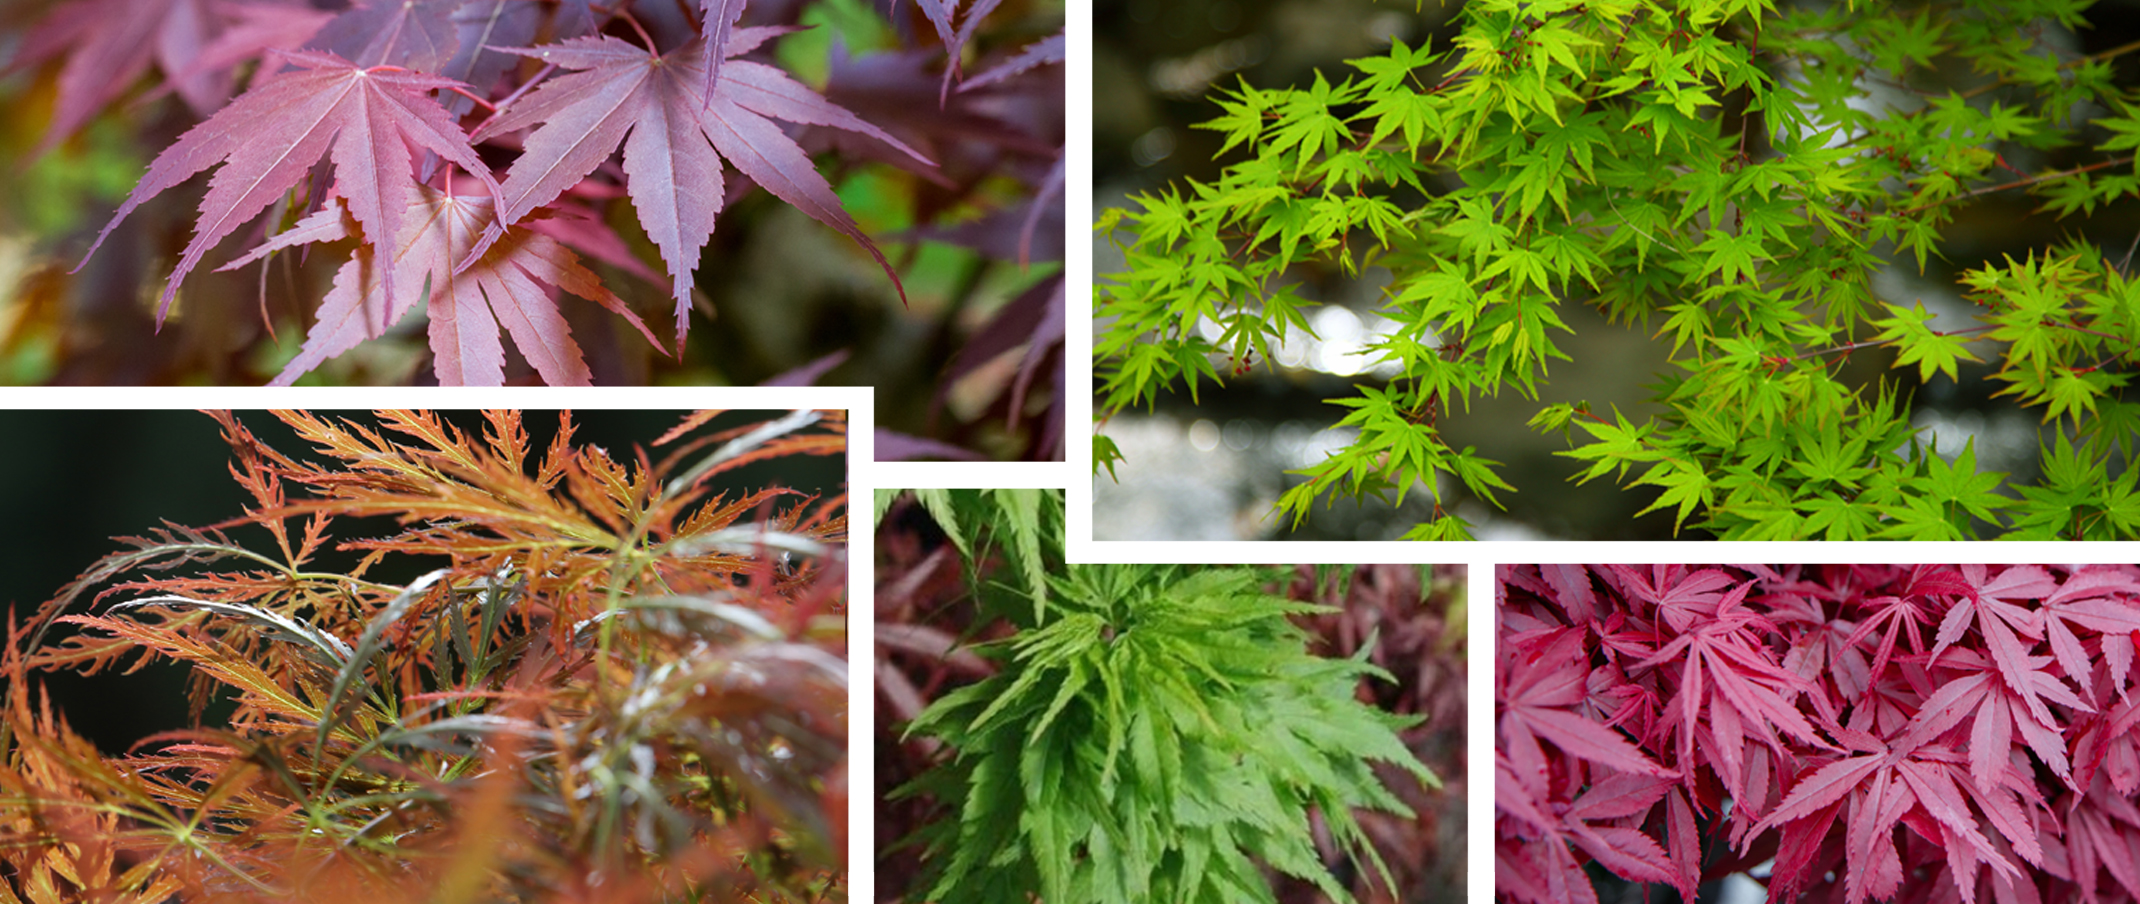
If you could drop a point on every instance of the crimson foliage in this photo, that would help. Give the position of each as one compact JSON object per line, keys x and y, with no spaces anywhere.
{"x":1926,"y":733}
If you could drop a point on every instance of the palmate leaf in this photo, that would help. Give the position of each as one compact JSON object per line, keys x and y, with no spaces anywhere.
{"x":1537,"y":697}
{"x":265,"y":142}
{"x":1996,"y":714}
{"x":511,"y":285}
{"x":1924,"y":784}
{"x":1724,"y":670}
{"x":2004,"y":625}
{"x":412,"y":34}
{"x":675,"y":136}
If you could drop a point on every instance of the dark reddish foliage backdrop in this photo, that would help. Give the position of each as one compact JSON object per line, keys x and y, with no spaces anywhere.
{"x":1922,"y":733}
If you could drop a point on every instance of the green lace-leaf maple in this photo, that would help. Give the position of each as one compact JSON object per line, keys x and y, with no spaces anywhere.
{"x":1161,"y":736}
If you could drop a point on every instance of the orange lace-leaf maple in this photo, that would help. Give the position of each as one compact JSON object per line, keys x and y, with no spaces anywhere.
{"x":613,"y":690}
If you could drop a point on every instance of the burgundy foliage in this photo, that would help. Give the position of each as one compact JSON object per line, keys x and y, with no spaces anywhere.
{"x":1926,"y":733}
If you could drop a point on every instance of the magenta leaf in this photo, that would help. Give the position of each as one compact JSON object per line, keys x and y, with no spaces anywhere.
{"x":720,"y":24}
{"x":675,"y":139}
{"x":1991,"y":762}
{"x":809,"y":374}
{"x":265,"y":142}
{"x":413,"y":34}
{"x":510,"y":286}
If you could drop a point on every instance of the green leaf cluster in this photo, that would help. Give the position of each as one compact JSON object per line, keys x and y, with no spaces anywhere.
{"x":1711,"y":173}
{"x":1162,"y":737}
{"x":1026,"y":523}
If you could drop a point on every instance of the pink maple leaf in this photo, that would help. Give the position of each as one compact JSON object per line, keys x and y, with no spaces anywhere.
{"x":505,"y":286}
{"x":267,"y":140}
{"x":675,"y":139}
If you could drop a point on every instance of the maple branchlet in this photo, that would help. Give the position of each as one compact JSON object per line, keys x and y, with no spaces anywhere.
{"x":1663,"y":173}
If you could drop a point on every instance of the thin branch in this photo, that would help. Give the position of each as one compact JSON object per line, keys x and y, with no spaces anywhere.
{"x":2002,"y":81}
{"x":2020,"y":183}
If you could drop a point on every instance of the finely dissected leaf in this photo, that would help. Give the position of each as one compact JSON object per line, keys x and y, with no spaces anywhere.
{"x":2003,"y":626}
{"x":1154,"y":740}
{"x":748,"y":621}
{"x":258,"y":688}
{"x":364,"y":120}
{"x":737,"y":451}
{"x":510,"y":285}
{"x":360,"y":659}
{"x":675,"y":138}
{"x":320,"y":646}
{"x":434,"y":718}
{"x":745,"y":539}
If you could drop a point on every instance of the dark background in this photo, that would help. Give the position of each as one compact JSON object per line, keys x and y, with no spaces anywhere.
{"x":71,"y":481}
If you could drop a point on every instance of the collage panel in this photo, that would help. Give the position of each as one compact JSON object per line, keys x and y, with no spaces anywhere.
{"x":557,"y":193}
{"x":1068,"y":733}
{"x":1577,"y":271}
{"x":1823,"y":732}
{"x":424,"y":655}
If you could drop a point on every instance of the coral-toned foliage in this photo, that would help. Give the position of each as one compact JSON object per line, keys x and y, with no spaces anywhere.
{"x":616,"y":683}
{"x":1907,"y":733}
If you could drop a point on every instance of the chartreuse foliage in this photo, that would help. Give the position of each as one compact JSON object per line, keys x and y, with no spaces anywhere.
{"x":1709,"y":172}
{"x":606,"y":690}
{"x":1160,"y":736}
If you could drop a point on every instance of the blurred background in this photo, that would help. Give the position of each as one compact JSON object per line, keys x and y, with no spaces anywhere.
{"x":1211,"y":471}
{"x":72,"y":481}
